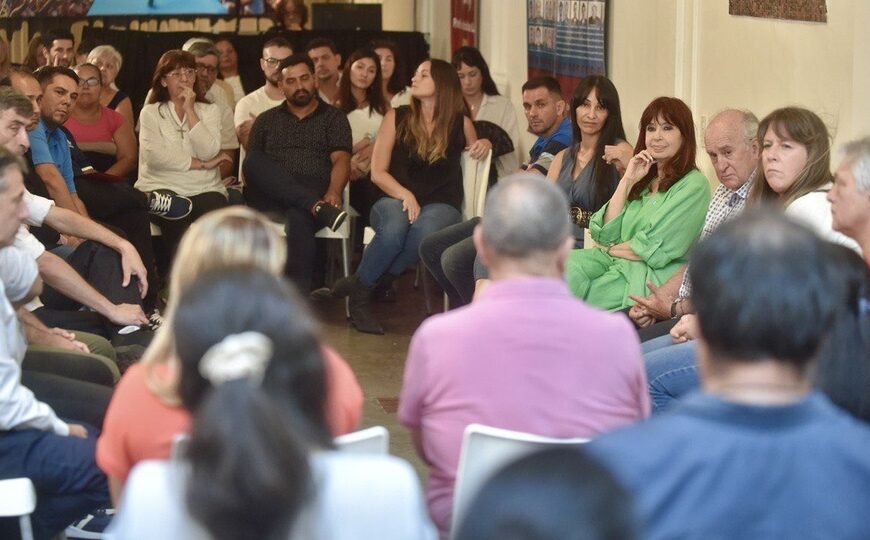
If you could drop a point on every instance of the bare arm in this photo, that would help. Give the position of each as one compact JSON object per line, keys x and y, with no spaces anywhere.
{"x":556,"y":166}
{"x":126,"y":110}
{"x":60,"y":275}
{"x":67,"y":222}
{"x":56,"y":186}
{"x":381,"y":158}
{"x":38,"y":333}
{"x":638,"y":167}
{"x":338,"y":177}
{"x":128,"y":154}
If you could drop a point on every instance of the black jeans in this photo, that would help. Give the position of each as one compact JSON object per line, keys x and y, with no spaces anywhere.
{"x":272,"y":189}
{"x":126,"y":209}
{"x":173,"y":229}
{"x":449,"y":255}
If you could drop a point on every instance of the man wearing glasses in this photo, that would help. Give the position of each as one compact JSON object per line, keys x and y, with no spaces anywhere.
{"x":207,"y":57}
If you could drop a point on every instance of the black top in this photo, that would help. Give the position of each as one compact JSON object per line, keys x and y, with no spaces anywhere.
{"x":116,"y":100}
{"x":437,"y":182}
{"x":302,"y":146}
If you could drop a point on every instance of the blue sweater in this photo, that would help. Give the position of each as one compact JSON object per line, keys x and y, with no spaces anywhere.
{"x":714,"y":469}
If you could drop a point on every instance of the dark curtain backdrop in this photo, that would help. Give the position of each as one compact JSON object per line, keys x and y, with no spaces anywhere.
{"x":142,"y":50}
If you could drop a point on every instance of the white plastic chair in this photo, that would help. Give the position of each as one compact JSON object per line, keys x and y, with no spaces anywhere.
{"x":18,"y":499}
{"x":374,"y":440}
{"x":485,"y":450}
{"x":475,"y":181}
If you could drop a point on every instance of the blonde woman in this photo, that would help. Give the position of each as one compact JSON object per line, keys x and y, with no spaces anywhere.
{"x":145,"y":414}
{"x":108,"y":60}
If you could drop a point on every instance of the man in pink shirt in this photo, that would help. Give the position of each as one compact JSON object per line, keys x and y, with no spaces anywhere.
{"x":526,"y":355}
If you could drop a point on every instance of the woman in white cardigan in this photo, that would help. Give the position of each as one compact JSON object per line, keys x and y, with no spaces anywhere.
{"x":179,"y":143}
{"x":485,"y":103}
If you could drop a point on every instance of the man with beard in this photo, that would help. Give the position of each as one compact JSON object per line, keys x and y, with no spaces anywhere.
{"x":267,"y":96}
{"x":298,"y":164}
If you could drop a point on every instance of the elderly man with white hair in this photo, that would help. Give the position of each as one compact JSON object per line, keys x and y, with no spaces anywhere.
{"x":850,"y":196}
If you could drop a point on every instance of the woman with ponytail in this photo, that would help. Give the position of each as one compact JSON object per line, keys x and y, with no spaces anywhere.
{"x":146,"y":412}
{"x":260,"y":462}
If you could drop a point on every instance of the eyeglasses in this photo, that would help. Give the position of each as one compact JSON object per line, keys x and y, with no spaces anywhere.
{"x":211,"y":70}
{"x":272,"y":62}
{"x":93,"y":81}
{"x":179,"y":73}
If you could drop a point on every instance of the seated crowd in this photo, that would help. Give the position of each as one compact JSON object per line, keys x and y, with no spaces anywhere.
{"x":157,"y":354}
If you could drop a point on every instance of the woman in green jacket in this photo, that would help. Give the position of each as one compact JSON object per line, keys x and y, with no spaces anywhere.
{"x":648,"y":225}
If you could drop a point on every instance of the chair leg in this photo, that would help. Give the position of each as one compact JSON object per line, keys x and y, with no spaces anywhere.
{"x":26,"y":529}
{"x":421,"y":275}
{"x":345,"y":263}
{"x":446,"y":303}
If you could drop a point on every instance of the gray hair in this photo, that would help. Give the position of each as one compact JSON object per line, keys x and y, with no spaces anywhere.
{"x":12,"y":99}
{"x":859,"y":152}
{"x":7,"y":160}
{"x":203,"y":48}
{"x":748,"y":119}
{"x":525,"y":215}
{"x":100,"y":50}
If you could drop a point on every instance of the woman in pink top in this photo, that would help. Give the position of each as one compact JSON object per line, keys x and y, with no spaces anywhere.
{"x":104,"y":135}
{"x":145,"y":414}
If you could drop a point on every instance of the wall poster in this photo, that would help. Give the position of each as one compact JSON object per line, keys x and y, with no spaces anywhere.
{"x":567,"y":39}
{"x":795,"y":10}
{"x":463,"y":23}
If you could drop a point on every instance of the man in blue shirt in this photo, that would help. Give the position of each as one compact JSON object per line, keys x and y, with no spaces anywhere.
{"x":545,"y":111}
{"x":757,"y":453}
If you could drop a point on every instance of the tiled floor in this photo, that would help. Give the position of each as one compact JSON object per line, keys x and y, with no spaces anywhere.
{"x":379,"y":361}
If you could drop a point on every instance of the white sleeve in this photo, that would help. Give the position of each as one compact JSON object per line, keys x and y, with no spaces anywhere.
{"x":205,"y":135}
{"x":152,"y":149}
{"x":152,"y":505}
{"x":229,"y":141}
{"x":510,"y":162}
{"x":18,"y":271}
{"x":243,"y":109}
{"x":814,"y":211}
{"x":37,"y":208}
{"x":19,"y":408}
{"x":28,"y":243}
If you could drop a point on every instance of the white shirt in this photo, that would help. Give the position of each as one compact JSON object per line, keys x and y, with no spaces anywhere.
{"x":814,"y":211}
{"x":19,"y":408}
{"x":235,"y":83}
{"x":364,"y":122}
{"x":37,"y":209}
{"x":167,"y":147}
{"x":254,"y":103}
{"x":402,"y":98}
{"x":217,"y":95}
{"x":357,"y":496}
{"x":500,"y":111}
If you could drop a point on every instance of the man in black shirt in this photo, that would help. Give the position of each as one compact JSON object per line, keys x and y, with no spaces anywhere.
{"x":298,"y":163}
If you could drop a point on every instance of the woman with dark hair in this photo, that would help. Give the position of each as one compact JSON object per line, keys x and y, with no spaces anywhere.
{"x":290,"y":14}
{"x":646,"y":228}
{"x":589,"y":169}
{"x":392,"y":73}
{"x":416,"y":164}
{"x":582,"y":500}
{"x":260,"y":461}
{"x":228,"y":67}
{"x":486,"y":104}
{"x":795,"y":171}
{"x":361,"y":99}
{"x":179,"y":143}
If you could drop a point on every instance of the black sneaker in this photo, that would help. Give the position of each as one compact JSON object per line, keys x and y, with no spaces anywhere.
{"x":154,"y":321}
{"x":168,"y":205}
{"x":327,"y":215}
{"x":92,"y":525}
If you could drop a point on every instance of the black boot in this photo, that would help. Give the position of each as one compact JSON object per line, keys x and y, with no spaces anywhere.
{"x":384,"y":291}
{"x":360,"y":312}
{"x":340,"y":289}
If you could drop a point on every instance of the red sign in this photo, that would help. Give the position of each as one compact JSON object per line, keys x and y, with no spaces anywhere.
{"x":463,"y":23}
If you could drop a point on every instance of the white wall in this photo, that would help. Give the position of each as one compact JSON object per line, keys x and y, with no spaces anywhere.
{"x":695,"y":50}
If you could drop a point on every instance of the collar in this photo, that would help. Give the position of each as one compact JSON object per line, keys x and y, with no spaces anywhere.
{"x":563,"y":132}
{"x":743,"y":191}
{"x":525,"y":286}
{"x":714,"y":408}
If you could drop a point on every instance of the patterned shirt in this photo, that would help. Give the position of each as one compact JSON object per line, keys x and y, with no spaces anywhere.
{"x":724,"y":205}
{"x":302,"y":146}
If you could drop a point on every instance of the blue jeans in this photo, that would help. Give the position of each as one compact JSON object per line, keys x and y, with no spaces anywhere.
{"x":396,"y":243}
{"x":68,"y":482}
{"x":671,"y":373}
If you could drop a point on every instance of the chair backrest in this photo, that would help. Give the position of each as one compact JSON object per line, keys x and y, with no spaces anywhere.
{"x":475,"y":180}
{"x":485,"y":450}
{"x":179,"y":446}
{"x":374,"y":440}
{"x":18,"y":499}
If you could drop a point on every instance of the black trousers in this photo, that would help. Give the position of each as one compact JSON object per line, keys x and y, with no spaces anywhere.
{"x":126,"y":209}
{"x":173,"y":229}
{"x":272,"y":189}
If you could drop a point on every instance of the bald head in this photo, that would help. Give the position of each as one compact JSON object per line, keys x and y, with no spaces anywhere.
{"x":525,"y":226}
{"x":730,"y":141}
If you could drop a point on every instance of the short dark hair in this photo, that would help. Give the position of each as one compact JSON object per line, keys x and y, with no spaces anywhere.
{"x":46,"y":74}
{"x":321,"y":42}
{"x":54,"y":34}
{"x":295,"y":59}
{"x":764,"y":288}
{"x":544,"y":81}
{"x":581,"y":500}
{"x":278,"y":42}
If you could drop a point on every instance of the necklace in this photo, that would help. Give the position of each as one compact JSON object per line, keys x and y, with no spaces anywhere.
{"x":178,"y":127}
